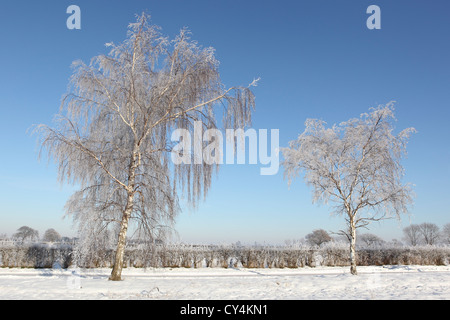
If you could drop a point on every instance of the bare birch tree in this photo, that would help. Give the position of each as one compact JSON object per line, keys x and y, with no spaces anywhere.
{"x":430,"y":233}
{"x":356,"y":165}
{"x":412,"y":234}
{"x":112,"y":136}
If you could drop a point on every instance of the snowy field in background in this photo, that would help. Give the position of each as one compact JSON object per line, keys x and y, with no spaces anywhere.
{"x":388,"y":282}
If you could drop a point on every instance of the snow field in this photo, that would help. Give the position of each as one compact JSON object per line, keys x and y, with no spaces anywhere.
{"x":374,"y":282}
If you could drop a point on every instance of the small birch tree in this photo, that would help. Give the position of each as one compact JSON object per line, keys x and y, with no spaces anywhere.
{"x":355,"y":165}
{"x":112,"y":136}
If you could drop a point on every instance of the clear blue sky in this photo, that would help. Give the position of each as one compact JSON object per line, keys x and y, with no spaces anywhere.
{"x":316,"y":59}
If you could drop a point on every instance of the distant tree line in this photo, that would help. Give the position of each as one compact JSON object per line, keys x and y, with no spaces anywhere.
{"x":413,"y":235}
{"x":426,"y":233}
{"x":425,"y":244}
{"x":27,"y":234}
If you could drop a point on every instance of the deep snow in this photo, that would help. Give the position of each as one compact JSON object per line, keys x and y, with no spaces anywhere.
{"x":387,"y":282}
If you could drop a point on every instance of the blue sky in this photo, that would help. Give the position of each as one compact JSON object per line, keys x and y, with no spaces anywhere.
{"x":316,"y":59}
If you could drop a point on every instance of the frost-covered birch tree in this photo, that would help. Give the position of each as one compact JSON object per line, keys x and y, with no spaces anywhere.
{"x":112,"y":135}
{"x":356,"y":165}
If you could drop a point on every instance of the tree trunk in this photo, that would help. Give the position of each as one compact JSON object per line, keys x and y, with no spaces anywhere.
{"x":116,"y":274}
{"x":353,"y":249}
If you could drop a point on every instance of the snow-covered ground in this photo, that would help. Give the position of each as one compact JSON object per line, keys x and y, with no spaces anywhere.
{"x":388,"y":282}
